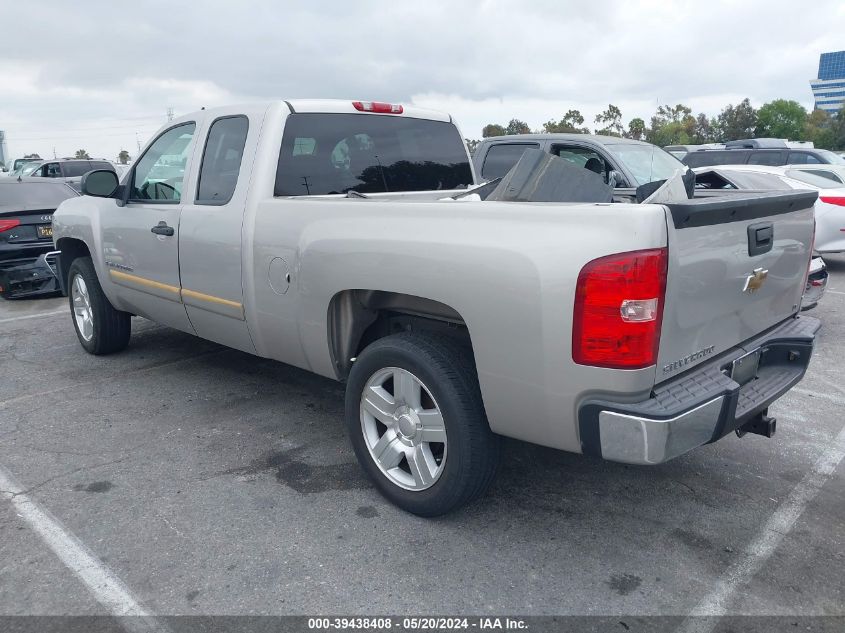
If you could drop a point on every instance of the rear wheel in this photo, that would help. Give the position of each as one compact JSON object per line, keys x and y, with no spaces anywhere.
{"x":100,"y":328}
{"x":417,"y":423}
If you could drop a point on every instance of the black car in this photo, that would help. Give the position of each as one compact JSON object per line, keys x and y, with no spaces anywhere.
{"x":27,"y":261}
{"x":738,"y":153}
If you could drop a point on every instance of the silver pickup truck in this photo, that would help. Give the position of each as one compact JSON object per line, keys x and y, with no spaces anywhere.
{"x":333,"y":236}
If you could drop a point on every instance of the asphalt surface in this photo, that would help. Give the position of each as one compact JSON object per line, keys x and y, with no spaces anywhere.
{"x":212,"y":482}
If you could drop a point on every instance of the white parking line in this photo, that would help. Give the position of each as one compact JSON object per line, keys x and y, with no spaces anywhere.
{"x":716,"y":603}
{"x":106,"y":588}
{"x":24,"y":317}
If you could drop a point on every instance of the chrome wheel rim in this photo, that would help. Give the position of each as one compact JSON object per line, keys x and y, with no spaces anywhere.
{"x":82,"y":313}
{"x":403,"y":428}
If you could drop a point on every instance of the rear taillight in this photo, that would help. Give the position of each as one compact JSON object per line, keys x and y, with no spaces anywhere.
{"x":837,"y":200}
{"x":7,"y":225}
{"x":619,"y":309}
{"x":378,"y":106}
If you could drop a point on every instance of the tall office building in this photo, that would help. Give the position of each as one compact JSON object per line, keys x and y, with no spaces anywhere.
{"x":829,"y":88}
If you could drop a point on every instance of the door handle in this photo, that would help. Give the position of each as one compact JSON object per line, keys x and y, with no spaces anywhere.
{"x":162,"y":229}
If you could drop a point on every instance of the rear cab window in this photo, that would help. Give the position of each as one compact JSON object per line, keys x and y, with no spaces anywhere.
{"x":501,"y":157}
{"x":328,"y":153}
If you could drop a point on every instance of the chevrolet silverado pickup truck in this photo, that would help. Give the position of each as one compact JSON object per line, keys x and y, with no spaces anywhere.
{"x":345,"y":238}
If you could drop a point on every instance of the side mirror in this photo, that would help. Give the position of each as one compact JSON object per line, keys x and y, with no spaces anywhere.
{"x":616,"y":179}
{"x":101,"y":183}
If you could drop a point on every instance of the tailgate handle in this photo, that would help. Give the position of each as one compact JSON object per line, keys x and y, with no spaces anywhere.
{"x":761,"y":236}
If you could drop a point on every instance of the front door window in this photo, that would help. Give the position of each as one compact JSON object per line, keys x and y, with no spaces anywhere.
{"x":160,"y":172}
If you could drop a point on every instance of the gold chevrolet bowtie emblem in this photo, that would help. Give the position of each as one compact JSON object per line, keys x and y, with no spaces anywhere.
{"x":755,"y":280}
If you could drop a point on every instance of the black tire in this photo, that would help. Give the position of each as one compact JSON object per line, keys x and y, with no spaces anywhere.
{"x":447,"y":370}
{"x":111,"y":328}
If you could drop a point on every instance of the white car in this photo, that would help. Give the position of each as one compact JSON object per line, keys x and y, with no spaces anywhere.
{"x":836,"y":173}
{"x":830,"y":207}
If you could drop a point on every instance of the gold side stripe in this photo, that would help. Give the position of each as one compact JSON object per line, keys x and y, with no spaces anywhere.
{"x":210,"y":298}
{"x":119,"y":274}
{"x":183,"y":292}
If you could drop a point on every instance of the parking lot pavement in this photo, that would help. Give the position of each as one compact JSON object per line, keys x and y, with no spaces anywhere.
{"x":212,"y":482}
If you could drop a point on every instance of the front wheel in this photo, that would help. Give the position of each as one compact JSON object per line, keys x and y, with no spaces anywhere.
{"x":417,"y":424}
{"x":100,"y":328}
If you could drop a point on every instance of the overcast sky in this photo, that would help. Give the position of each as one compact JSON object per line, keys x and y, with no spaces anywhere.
{"x":101,"y":75}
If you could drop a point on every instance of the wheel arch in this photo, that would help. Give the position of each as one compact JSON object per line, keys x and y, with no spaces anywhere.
{"x":71,"y":249}
{"x":358,"y":317}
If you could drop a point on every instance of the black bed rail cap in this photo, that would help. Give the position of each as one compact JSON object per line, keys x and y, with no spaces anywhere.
{"x":732,"y":208}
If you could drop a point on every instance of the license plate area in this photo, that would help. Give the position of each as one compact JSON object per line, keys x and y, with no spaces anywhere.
{"x":744,"y":369}
{"x":44,"y":231}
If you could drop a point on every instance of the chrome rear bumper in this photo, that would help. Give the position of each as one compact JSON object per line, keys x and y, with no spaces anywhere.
{"x":700,"y":406}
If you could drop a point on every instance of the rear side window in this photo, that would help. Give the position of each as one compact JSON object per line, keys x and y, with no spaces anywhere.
{"x":766,"y":158}
{"x":823,"y":173}
{"x":336,"y":153}
{"x":501,"y":157}
{"x":812,"y":179}
{"x":804,"y":158}
{"x":75,"y":168}
{"x":101,"y":164}
{"x":754,"y":180}
{"x":221,"y":160}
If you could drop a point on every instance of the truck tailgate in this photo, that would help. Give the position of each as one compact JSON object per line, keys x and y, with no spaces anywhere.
{"x":737,"y":267}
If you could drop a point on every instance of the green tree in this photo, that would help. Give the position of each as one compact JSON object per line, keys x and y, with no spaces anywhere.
{"x":781,"y":119}
{"x":611,"y":120}
{"x":705,"y":129}
{"x":492,"y":129}
{"x":571,"y":123}
{"x":737,"y":121}
{"x":636,"y":129}
{"x":837,"y":126}
{"x":81,"y":153}
{"x":515,"y":126}
{"x":123,"y":158}
{"x":471,"y":145}
{"x":819,"y":128}
{"x":671,"y":125}
{"x":36,"y":156}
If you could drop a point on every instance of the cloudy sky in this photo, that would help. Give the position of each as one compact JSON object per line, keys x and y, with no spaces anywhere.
{"x":100,"y":75}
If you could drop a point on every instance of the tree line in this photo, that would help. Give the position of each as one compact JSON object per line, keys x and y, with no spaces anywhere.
{"x":676,"y":125}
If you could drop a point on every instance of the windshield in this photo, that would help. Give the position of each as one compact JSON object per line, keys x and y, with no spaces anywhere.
{"x":819,"y":182}
{"x":646,"y":163}
{"x":29,"y":168}
{"x":830,"y":157}
{"x":20,"y":162}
